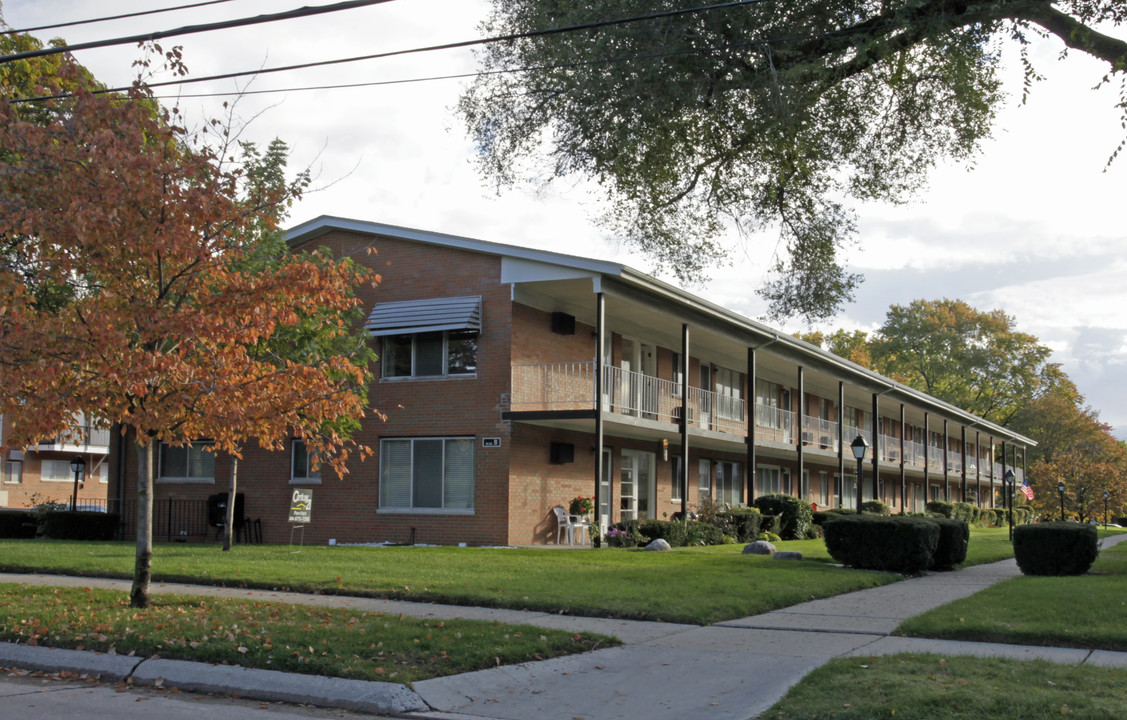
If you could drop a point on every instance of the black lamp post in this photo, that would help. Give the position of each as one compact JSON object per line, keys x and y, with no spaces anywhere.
{"x":1106,"y":494}
{"x":77,"y":466}
{"x":859,"y":446}
{"x":1060,"y":489}
{"x":1008,"y":489}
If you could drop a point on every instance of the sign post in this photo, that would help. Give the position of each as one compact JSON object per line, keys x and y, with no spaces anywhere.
{"x":301,"y":511}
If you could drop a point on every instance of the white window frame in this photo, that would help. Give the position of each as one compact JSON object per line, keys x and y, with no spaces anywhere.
{"x":67,"y":476}
{"x":675,"y":462}
{"x":768,"y":485}
{"x":13,"y":472}
{"x":385,"y":369}
{"x":386,"y":507}
{"x":307,"y":475}
{"x":192,"y":479}
{"x":704,"y":479}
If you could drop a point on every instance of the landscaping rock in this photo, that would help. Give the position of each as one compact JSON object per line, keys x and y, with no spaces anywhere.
{"x":788,"y":555}
{"x":759,"y":547}
{"x":659,"y":544}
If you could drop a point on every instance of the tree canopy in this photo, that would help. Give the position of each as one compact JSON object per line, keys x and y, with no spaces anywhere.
{"x":186,"y":318}
{"x":760,"y":114}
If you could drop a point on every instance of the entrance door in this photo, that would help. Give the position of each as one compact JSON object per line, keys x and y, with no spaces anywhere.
{"x":636,"y":485}
{"x":705,"y":395}
{"x":639,"y":367}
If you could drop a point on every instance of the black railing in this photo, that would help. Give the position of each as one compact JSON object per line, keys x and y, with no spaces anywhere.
{"x":172,"y":519}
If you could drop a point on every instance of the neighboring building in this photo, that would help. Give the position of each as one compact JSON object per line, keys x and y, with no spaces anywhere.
{"x":42,"y":473}
{"x":514,"y":380}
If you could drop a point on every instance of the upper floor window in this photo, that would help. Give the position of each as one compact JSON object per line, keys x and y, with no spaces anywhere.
{"x":301,"y":468}
{"x":13,"y":472}
{"x":194,"y":462}
{"x":431,"y":354}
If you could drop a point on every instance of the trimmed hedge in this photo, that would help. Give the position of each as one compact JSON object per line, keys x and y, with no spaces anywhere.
{"x":742,"y":523}
{"x":875,"y":542}
{"x":1055,"y":548}
{"x":80,"y":525}
{"x":796,"y":514}
{"x":20,"y":524}
{"x":821,"y":517}
{"x":939,"y":507}
{"x":875,"y":507}
{"x":671,"y":531}
{"x":771,"y":524}
{"x":954,"y":537}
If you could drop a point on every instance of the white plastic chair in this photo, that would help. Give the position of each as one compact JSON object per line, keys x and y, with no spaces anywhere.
{"x":571,"y":523}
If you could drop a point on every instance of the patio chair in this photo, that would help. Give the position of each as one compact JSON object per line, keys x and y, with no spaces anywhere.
{"x":571,"y":523}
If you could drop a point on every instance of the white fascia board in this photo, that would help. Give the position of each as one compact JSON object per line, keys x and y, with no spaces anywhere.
{"x":521,"y":270}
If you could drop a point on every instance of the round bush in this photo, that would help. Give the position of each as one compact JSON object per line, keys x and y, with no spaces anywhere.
{"x":954,"y":538}
{"x":1055,"y":548}
{"x":875,"y":542}
{"x":875,"y":507}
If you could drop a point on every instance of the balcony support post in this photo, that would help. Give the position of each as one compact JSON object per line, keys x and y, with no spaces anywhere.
{"x":752,"y":407}
{"x":876,"y":448}
{"x":800,"y":419}
{"x":927,"y":457}
{"x":993,"y":499}
{"x":1005,"y":456}
{"x":963,"y":451}
{"x":600,"y":349}
{"x":841,"y":444}
{"x":978,"y":466}
{"x":903,"y":470}
{"x":684,"y":420}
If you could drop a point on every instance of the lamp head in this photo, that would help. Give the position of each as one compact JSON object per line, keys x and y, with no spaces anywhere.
{"x":1060,"y":487}
{"x":78,"y":464}
{"x":859,"y":446}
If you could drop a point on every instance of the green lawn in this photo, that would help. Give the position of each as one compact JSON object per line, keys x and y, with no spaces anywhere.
{"x":1088,"y":611}
{"x":927,"y":687}
{"x":608,"y":583}
{"x":275,"y":636}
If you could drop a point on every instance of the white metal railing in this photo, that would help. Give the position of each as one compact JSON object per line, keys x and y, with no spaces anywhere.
{"x":774,"y":424}
{"x":819,"y":433}
{"x":85,"y":437}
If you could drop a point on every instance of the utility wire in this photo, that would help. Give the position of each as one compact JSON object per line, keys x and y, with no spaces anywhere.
{"x":430,"y":48}
{"x":191,"y":29}
{"x":107,"y":18}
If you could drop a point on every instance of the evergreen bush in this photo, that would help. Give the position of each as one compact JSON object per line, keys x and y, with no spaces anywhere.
{"x":673,"y":532}
{"x":951,"y":549}
{"x":875,"y":507}
{"x":875,"y":542}
{"x":770,"y":524}
{"x":795,"y":513}
{"x":1055,"y":548}
{"x":80,"y":525}
{"x":742,"y":523}
{"x":939,"y":507}
{"x":17,"y":524}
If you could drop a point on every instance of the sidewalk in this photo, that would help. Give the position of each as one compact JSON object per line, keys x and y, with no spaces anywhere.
{"x":731,"y":670}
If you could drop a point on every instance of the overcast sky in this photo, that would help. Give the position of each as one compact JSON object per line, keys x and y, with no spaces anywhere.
{"x":1035,"y":229}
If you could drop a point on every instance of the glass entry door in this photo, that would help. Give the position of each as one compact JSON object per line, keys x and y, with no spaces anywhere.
{"x":636,"y":485}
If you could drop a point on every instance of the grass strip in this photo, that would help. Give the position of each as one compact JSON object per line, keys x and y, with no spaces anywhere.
{"x":1085,"y":611}
{"x":925,"y":687}
{"x":687,"y":585}
{"x":275,"y":636}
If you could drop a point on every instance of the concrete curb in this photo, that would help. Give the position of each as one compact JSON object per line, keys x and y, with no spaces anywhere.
{"x":270,"y":685}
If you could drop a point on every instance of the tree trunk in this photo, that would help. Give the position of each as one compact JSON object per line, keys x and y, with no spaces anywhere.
{"x":231,"y":504}
{"x":143,"y":567}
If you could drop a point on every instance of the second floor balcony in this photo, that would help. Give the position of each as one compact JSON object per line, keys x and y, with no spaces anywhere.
{"x":86,"y":439}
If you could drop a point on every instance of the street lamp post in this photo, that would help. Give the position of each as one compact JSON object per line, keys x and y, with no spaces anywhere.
{"x":1008,"y":489}
{"x":859,"y":446}
{"x":1106,"y":494}
{"x":1060,"y":489}
{"x":77,"y":466}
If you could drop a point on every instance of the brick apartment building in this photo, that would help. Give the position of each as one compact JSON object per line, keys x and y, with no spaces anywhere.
{"x":514,"y":380}
{"x":43,"y":474}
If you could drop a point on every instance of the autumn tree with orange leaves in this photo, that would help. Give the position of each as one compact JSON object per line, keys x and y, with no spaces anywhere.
{"x":177,"y":326}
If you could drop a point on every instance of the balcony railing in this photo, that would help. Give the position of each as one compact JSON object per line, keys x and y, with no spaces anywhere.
{"x":86,"y":437}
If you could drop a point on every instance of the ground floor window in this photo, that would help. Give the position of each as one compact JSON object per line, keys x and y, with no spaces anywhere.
{"x":302,"y":464}
{"x":729,"y":483}
{"x":427,"y":473}
{"x":56,"y":471}
{"x":194,"y":462}
{"x":704,"y":479}
{"x":770,"y":479}
{"x":823,"y":489}
{"x":13,"y":472}
{"x":676,"y":468}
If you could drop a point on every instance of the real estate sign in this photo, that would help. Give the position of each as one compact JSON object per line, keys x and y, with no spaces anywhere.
{"x":301,"y":506}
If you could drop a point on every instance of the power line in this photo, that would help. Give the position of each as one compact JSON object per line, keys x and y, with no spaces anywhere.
{"x":192,"y":29}
{"x":431,"y":48}
{"x":107,"y":18}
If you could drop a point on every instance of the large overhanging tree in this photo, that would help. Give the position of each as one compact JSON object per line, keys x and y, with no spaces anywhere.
{"x":759,"y":114}
{"x":183,"y":319}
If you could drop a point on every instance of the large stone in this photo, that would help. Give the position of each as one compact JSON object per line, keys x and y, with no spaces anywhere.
{"x":658,"y":544}
{"x":788,"y":555}
{"x":759,"y":547}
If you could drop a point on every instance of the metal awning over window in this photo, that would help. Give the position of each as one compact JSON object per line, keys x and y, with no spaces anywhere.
{"x":416,"y":316}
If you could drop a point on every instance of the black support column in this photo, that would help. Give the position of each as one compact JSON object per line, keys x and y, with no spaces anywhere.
{"x":751,"y":412}
{"x":600,"y":351}
{"x":684,"y":420}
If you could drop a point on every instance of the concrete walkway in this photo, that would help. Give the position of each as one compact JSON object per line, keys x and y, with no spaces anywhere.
{"x":731,"y":670}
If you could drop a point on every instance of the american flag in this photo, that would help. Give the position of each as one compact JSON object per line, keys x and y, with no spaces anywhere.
{"x":1027,"y":490}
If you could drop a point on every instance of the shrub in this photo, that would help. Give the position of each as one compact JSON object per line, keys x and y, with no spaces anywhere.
{"x":769,"y":537}
{"x":624,"y":534}
{"x":770,"y":524}
{"x":80,"y":525}
{"x":876,"y":542}
{"x":964,"y":511}
{"x":1023,"y":514}
{"x":1001,"y":517}
{"x":698,"y":533}
{"x":742,"y":523}
{"x":17,"y":524}
{"x":823,"y":516}
{"x":951,"y":549}
{"x":875,"y":507}
{"x":1055,"y":548}
{"x":938,"y":507}
{"x":795,"y":513}
{"x":672,"y":532}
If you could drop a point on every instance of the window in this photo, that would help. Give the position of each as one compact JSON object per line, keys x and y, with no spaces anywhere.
{"x":301,"y":465}
{"x":188,"y":463}
{"x":728,"y":390}
{"x":770,"y":479}
{"x":704,"y":474}
{"x":56,"y":471}
{"x":427,"y":474}
{"x":431,"y":354}
{"x":729,"y":483}
{"x":676,"y":496}
{"x":767,"y":413}
{"x":13,"y":472}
